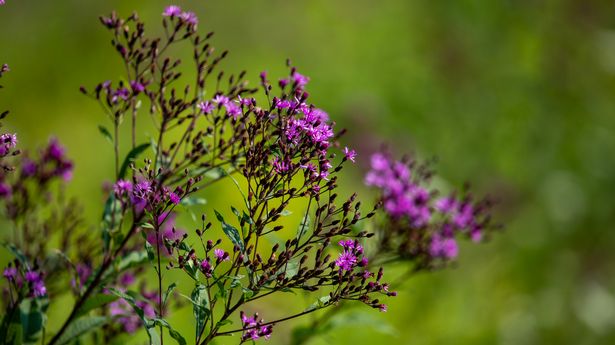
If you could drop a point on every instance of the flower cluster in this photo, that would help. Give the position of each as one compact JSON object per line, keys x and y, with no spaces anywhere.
{"x":422,"y":225}
{"x":253,"y":328}
{"x":21,"y":277}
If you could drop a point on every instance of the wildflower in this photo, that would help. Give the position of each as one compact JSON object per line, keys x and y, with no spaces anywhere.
{"x":206,"y":107}
{"x":350,"y":154}
{"x":5,"y":190}
{"x":253,"y":328}
{"x":346,"y":261}
{"x":10,"y":273}
{"x":442,"y":247}
{"x":232,"y":109}
{"x":220,"y":99}
{"x":37,"y":286}
{"x":122,"y":187}
{"x":221,"y":255}
{"x":190,"y":18}
{"x":206,"y":267}
{"x":174,"y":198}
{"x":172,"y":11}
{"x":280,"y":166}
{"x":137,"y":87}
{"x":300,"y":79}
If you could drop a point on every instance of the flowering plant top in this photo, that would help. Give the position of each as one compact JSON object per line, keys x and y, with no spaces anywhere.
{"x":272,"y":146}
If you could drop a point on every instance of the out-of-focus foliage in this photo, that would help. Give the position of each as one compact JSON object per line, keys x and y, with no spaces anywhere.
{"x":517,"y":95}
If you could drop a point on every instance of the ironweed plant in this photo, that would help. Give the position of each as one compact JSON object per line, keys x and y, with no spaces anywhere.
{"x":279,"y":153}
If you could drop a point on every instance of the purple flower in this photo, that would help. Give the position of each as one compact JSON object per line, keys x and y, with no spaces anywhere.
{"x":10,"y":273}
{"x":300,"y":79}
{"x":206,"y":267}
{"x":137,"y":87}
{"x":39,"y":289}
{"x":442,"y":247}
{"x":28,"y":167}
{"x":253,"y":328}
{"x":346,"y":261}
{"x":122,"y":187}
{"x":32,"y":276}
{"x":190,"y":18}
{"x":350,"y":154}
{"x":10,"y":140}
{"x":220,"y":99}
{"x":221,"y":255}
{"x":446,"y":204}
{"x":280,"y":166}
{"x":172,"y":11}
{"x":282,"y":104}
{"x":5,"y":190}
{"x":174,"y":198}
{"x":232,"y":109}
{"x":206,"y":107}
{"x":37,"y":286}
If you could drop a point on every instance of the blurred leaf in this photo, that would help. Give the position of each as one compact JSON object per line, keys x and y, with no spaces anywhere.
{"x":105,"y":132}
{"x":16,"y":253}
{"x":33,"y":319}
{"x":168,"y":293}
{"x":82,"y":326}
{"x":95,"y":301}
{"x":132,"y":155}
{"x":172,"y":332}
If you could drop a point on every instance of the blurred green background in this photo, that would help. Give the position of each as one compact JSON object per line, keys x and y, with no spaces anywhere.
{"x":516,"y":97}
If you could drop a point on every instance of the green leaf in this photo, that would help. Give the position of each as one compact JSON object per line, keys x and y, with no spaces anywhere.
{"x":285,"y":213}
{"x":132,"y":155}
{"x":10,"y":328}
{"x":131,"y":260}
{"x":168,"y":293}
{"x":224,"y":322}
{"x":172,"y":332}
{"x":16,"y":253}
{"x":82,"y":326}
{"x":320,"y":303}
{"x":95,"y":301}
{"x":192,"y":201}
{"x":231,"y":232}
{"x":215,"y":173}
{"x":200,"y":307}
{"x":105,"y":132}
{"x":33,"y":319}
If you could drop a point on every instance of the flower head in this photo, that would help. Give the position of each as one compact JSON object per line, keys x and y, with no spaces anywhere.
{"x":172,"y":11}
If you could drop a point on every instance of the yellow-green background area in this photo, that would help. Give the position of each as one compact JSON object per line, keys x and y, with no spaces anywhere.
{"x":517,"y":97}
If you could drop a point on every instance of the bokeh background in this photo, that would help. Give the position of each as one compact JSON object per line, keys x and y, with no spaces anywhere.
{"x":516,"y":97}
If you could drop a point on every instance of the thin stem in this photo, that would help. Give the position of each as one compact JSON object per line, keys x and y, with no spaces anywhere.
{"x":94,"y":284}
{"x":116,"y":147}
{"x":273,"y":322}
{"x":159,"y":282}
